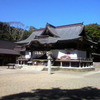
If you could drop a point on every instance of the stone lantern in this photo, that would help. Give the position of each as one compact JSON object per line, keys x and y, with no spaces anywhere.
{"x":49,"y":53}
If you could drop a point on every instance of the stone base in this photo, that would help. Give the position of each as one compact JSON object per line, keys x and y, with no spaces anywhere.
{"x":70,"y":69}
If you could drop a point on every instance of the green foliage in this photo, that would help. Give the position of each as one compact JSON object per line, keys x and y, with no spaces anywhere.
{"x":4,"y":30}
{"x":26,"y":34}
{"x":31,"y":29}
{"x":93,"y":32}
{"x":13,"y":31}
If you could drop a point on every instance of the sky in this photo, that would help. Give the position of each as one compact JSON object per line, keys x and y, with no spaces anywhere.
{"x":56,"y":12}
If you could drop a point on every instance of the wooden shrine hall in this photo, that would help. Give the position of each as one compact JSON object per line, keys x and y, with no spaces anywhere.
{"x":68,"y":45}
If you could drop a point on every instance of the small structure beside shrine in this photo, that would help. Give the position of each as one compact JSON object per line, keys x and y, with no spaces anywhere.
{"x":68,"y":45}
{"x":7,"y":52}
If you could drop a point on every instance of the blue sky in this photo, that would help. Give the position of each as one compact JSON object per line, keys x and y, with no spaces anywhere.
{"x":56,"y":12}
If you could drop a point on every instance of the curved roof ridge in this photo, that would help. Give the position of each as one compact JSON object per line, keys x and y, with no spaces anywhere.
{"x":50,"y":25}
{"x":45,"y":27}
{"x":64,"y":32}
{"x":51,"y":29}
{"x":58,"y":26}
{"x":69,"y":25}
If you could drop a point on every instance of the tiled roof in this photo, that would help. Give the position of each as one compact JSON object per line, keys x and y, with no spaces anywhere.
{"x":7,"y":47}
{"x":7,"y":44}
{"x":8,"y":51}
{"x":65,"y":32}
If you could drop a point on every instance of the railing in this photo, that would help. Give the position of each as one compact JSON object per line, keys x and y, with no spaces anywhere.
{"x":81,"y":63}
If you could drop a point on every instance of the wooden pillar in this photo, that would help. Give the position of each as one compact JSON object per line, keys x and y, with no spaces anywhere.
{"x":31,"y":55}
{"x":21,"y":62}
{"x":79,"y":64}
{"x":69,"y":63}
{"x":61,"y":63}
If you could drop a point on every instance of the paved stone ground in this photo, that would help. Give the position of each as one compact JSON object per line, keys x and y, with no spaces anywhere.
{"x":15,"y":81}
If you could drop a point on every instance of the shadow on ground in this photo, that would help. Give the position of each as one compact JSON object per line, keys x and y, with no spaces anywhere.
{"x":87,"y":93}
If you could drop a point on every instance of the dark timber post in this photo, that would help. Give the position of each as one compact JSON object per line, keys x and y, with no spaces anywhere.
{"x":31,"y":56}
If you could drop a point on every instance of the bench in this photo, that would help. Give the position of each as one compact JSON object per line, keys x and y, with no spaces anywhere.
{"x":11,"y":65}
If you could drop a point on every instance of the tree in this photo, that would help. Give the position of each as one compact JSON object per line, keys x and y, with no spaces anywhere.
{"x":26,"y":34}
{"x":31,"y":29}
{"x":18,"y":30}
{"x":14,"y":31}
{"x":93,"y":32}
{"x":4,"y":27}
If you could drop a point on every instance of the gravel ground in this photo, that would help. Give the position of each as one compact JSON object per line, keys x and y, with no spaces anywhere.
{"x":14,"y":81}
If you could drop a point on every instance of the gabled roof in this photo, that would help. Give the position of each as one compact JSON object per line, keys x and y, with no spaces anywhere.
{"x":51,"y":29}
{"x":7,"y":47}
{"x":65,"y":32}
{"x":7,"y":44}
{"x":9,"y":52}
